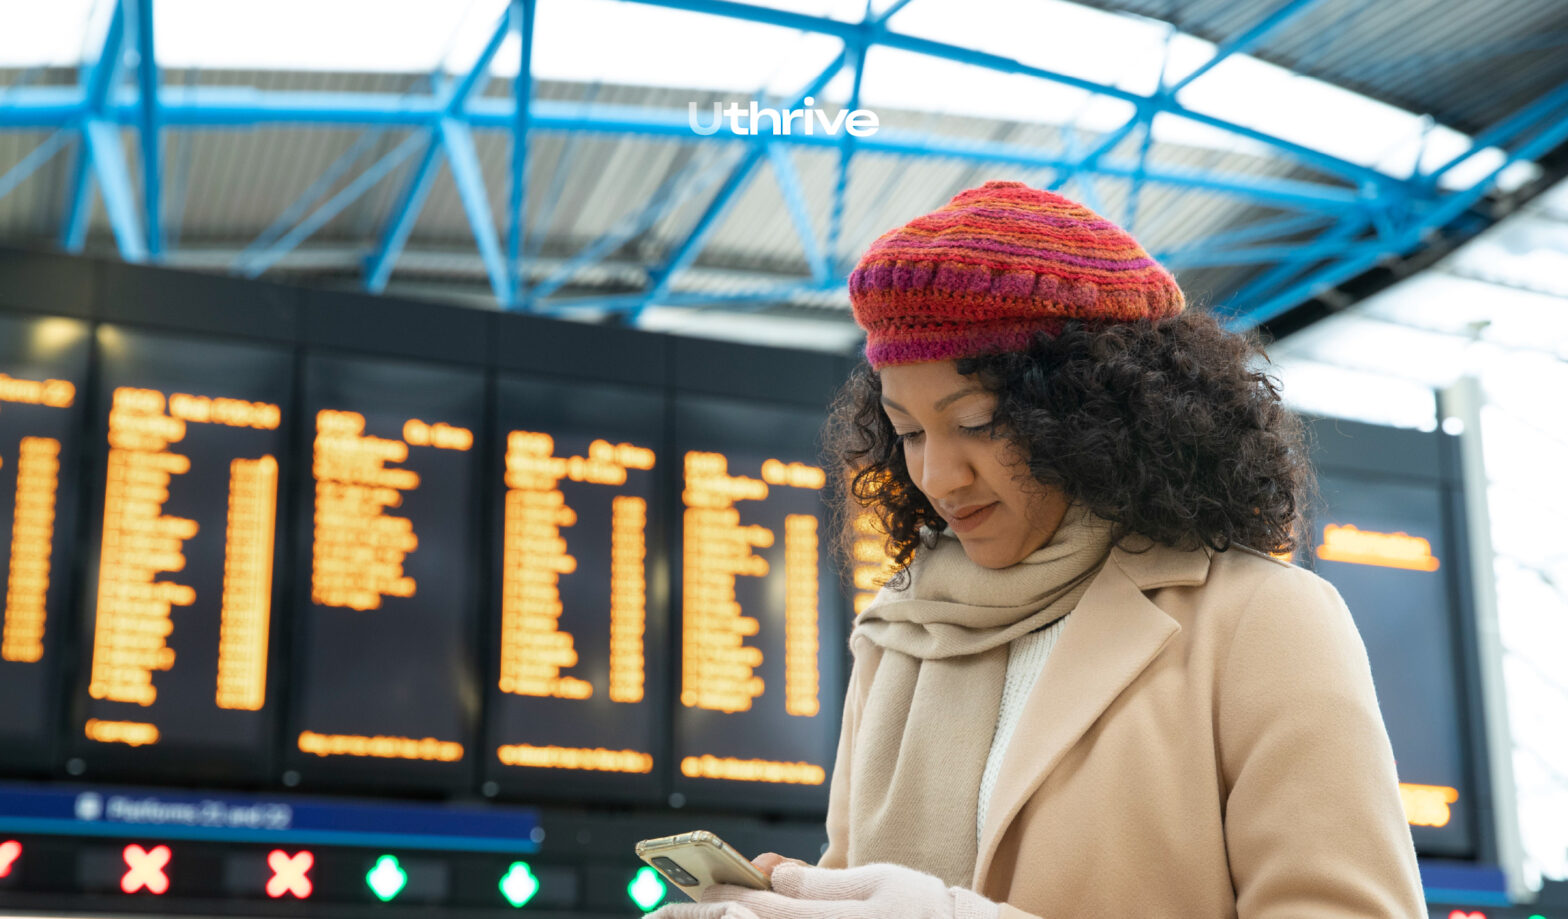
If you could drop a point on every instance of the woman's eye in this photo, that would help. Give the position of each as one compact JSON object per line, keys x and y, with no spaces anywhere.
{"x":978,"y":429}
{"x":906,"y":438}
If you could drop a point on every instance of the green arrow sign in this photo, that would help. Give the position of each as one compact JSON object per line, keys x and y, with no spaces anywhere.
{"x":387,"y":879}
{"x":519,"y":885}
{"x":647,"y":889}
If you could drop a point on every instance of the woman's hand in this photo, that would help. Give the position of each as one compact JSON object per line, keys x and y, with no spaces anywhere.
{"x":767,"y":861}
{"x":869,"y":892}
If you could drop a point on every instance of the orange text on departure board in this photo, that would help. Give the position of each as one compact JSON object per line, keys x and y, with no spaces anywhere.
{"x":1368,"y":547}
{"x":801,"y":673}
{"x":872,"y":566}
{"x":358,"y":548}
{"x":48,"y":393}
{"x":130,"y":733}
{"x":130,"y":635}
{"x":139,"y":543}
{"x":380,"y":746}
{"x":718,"y":670}
{"x":32,"y":536}
{"x":247,"y":584}
{"x":1427,"y":805}
{"x":717,"y":667}
{"x":628,"y":597}
{"x":752,"y":770}
{"x":534,"y":649}
{"x":594,"y":758}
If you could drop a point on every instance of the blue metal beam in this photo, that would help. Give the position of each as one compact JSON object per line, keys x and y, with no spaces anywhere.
{"x":404,"y":215}
{"x":1506,"y":130}
{"x":1552,"y":134}
{"x":79,"y":197}
{"x":318,"y":218}
{"x":850,"y":32}
{"x":1148,"y":131}
{"x":785,"y":174}
{"x":114,"y":179}
{"x":414,"y":193}
{"x":631,"y":303}
{"x":1305,"y":253}
{"x":534,"y":245}
{"x":35,"y":158}
{"x":1398,"y":210}
{"x":1344,"y":231}
{"x":1130,"y":222}
{"x":846,"y":150}
{"x":470,"y":181}
{"x":224,"y":108}
{"x":687,"y":251}
{"x":151,"y":146}
{"x":891,"y":11}
{"x":98,"y":78}
{"x":1261,"y":229}
{"x":693,"y":178}
{"x":103,"y":74}
{"x":317,"y":190}
{"x":1085,"y":179}
{"x":522,"y":23}
{"x":1247,"y":40}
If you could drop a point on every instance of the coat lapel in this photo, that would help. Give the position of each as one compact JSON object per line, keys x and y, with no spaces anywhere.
{"x":1112,"y":636}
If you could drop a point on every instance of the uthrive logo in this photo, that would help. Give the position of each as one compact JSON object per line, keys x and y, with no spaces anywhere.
{"x":859,"y":122}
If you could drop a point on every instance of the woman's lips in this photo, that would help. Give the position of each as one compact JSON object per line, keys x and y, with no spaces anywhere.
{"x":974,"y":519}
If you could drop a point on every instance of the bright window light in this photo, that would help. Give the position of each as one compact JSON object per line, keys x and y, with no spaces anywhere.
{"x":608,"y":41}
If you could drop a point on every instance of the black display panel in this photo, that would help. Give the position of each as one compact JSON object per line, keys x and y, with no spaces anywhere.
{"x":178,"y":595}
{"x":576,"y":698}
{"x":384,"y":685}
{"x":1388,"y":547}
{"x":43,"y":368}
{"x":759,"y":672}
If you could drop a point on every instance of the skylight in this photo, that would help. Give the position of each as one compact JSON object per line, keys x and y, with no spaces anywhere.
{"x":633,"y":43}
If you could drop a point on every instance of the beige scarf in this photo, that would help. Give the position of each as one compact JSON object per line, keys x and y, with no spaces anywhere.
{"x":931,"y":708}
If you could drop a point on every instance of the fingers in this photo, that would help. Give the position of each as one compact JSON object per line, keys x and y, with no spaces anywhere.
{"x":806,"y":882}
{"x":767,"y":861}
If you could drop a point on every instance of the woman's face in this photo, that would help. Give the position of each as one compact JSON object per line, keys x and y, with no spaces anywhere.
{"x":998,"y":511}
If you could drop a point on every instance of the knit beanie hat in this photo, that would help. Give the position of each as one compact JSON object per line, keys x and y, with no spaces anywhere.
{"x":993,"y":266}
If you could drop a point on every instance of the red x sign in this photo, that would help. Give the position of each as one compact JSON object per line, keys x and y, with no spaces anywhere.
{"x":288,"y":873}
{"x":10,"y":851}
{"x":144,"y":868}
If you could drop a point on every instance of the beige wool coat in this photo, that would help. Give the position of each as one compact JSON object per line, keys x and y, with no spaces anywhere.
{"x":1204,"y":742}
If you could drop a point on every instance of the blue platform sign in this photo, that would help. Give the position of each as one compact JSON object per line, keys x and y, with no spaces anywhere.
{"x":104,"y":811}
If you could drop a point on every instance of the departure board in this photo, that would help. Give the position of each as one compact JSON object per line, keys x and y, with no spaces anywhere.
{"x":384,"y":676}
{"x":576,"y":704}
{"x":43,"y":364}
{"x":1385,"y":545}
{"x":870,"y":565}
{"x":759,"y":680}
{"x":177,"y":636}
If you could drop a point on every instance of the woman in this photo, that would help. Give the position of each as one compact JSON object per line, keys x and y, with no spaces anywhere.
{"x":1090,"y":690}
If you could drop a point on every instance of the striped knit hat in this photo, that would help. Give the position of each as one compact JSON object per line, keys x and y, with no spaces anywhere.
{"x":993,"y":266}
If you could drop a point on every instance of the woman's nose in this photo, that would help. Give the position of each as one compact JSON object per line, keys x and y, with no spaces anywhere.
{"x":945,"y":468}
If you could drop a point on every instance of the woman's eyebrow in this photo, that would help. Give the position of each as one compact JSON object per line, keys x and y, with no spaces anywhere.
{"x":941,"y":403}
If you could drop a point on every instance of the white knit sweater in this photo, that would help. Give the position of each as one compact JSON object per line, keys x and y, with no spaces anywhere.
{"x":1026,"y":657}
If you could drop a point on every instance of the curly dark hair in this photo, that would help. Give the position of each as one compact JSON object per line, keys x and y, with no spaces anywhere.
{"x":1164,"y":427}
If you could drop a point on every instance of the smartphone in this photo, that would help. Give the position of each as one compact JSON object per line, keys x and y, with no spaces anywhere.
{"x":697,"y":860}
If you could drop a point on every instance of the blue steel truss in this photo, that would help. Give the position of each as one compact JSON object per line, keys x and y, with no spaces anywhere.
{"x":1357,"y":217}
